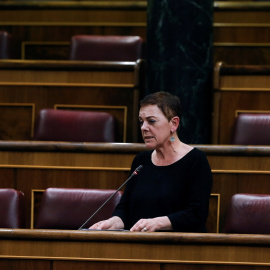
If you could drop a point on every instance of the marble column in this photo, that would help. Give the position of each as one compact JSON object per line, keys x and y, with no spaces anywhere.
{"x":179,"y":60}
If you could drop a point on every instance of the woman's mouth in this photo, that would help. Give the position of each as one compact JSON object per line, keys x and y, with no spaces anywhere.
{"x":148,"y":138}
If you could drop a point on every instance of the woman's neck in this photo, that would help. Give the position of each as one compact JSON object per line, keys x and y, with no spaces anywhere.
{"x":171,"y":153}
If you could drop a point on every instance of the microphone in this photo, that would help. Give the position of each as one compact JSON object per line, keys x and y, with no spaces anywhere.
{"x":133,"y":174}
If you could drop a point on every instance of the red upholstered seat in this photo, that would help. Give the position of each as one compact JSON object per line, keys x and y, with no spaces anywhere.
{"x":12,"y":213}
{"x":249,"y":214}
{"x":5,"y":45}
{"x":70,"y":208}
{"x":252,"y":129}
{"x":106,"y":48}
{"x":68,"y":125}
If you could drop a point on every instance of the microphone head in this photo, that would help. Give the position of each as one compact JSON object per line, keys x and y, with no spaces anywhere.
{"x":139,"y":168}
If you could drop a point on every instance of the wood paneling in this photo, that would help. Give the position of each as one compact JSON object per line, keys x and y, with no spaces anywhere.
{"x":20,"y":120}
{"x":241,"y":32}
{"x":122,"y":250}
{"x":31,"y":166}
{"x":238,"y":89}
{"x":114,"y":87}
{"x":25,"y":264}
{"x":44,"y":30}
{"x":34,"y":24}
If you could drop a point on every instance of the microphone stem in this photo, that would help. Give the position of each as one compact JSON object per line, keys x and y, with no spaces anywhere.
{"x":134,"y":173}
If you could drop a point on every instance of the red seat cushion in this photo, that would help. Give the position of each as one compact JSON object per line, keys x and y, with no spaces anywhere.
{"x":69,"y":208}
{"x":81,"y":126}
{"x":106,"y":48}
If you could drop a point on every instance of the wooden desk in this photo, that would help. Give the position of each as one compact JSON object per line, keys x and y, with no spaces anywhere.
{"x":55,"y":250}
{"x":35,"y":166}
{"x":26,"y":87}
{"x":238,"y":88}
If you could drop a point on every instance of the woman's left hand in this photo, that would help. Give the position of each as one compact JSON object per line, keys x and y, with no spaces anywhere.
{"x":152,"y":224}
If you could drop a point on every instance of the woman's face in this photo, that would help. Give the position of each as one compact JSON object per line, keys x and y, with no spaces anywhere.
{"x":155,"y":127}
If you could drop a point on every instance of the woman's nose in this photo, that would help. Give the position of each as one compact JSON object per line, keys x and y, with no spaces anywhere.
{"x":143,"y":126}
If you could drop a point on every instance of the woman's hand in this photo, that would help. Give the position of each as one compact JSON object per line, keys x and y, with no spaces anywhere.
{"x":112,"y":223}
{"x":152,"y":224}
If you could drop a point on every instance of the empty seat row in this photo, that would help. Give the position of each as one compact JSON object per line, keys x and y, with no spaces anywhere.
{"x":60,"y":208}
{"x":73,"y":208}
{"x":90,"y":47}
{"x":68,"y":125}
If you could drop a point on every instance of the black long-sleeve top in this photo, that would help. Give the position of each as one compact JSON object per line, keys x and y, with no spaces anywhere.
{"x":180,"y":191}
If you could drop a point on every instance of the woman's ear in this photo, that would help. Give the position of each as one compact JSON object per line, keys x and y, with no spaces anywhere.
{"x":175,"y":121}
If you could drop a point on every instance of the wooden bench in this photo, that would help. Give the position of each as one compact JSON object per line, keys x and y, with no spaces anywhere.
{"x":44,"y":29}
{"x":28,"y":86}
{"x":238,"y":88}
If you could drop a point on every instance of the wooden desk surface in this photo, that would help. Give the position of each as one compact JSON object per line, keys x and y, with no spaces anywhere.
{"x":147,"y":250}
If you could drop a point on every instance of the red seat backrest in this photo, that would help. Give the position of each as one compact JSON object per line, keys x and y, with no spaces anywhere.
{"x":68,"y":125}
{"x":248,"y":214}
{"x":106,"y":48}
{"x":252,"y":129}
{"x":70,"y":208}
{"x":5,"y":45}
{"x":12,"y":208}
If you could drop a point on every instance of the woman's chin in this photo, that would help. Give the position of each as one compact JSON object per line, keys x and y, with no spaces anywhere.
{"x":149,"y":145}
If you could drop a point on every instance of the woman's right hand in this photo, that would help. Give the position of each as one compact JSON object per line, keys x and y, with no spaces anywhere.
{"x":113,"y":223}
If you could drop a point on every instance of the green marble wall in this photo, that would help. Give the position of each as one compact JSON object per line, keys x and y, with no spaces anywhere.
{"x":179,"y":60}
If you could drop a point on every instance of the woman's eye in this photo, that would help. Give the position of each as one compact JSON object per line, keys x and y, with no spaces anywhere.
{"x":150,"y":122}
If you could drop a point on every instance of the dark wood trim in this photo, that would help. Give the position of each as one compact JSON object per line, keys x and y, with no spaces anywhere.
{"x":74,"y":5}
{"x":68,"y":65}
{"x":125,"y":236}
{"x":81,"y":147}
{"x":223,"y":69}
{"x":241,"y":6}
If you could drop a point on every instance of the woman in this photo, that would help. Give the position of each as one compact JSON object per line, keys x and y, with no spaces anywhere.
{"x":172,"y":190}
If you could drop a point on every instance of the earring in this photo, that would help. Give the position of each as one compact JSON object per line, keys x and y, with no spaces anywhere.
{"x":172,"y":139}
